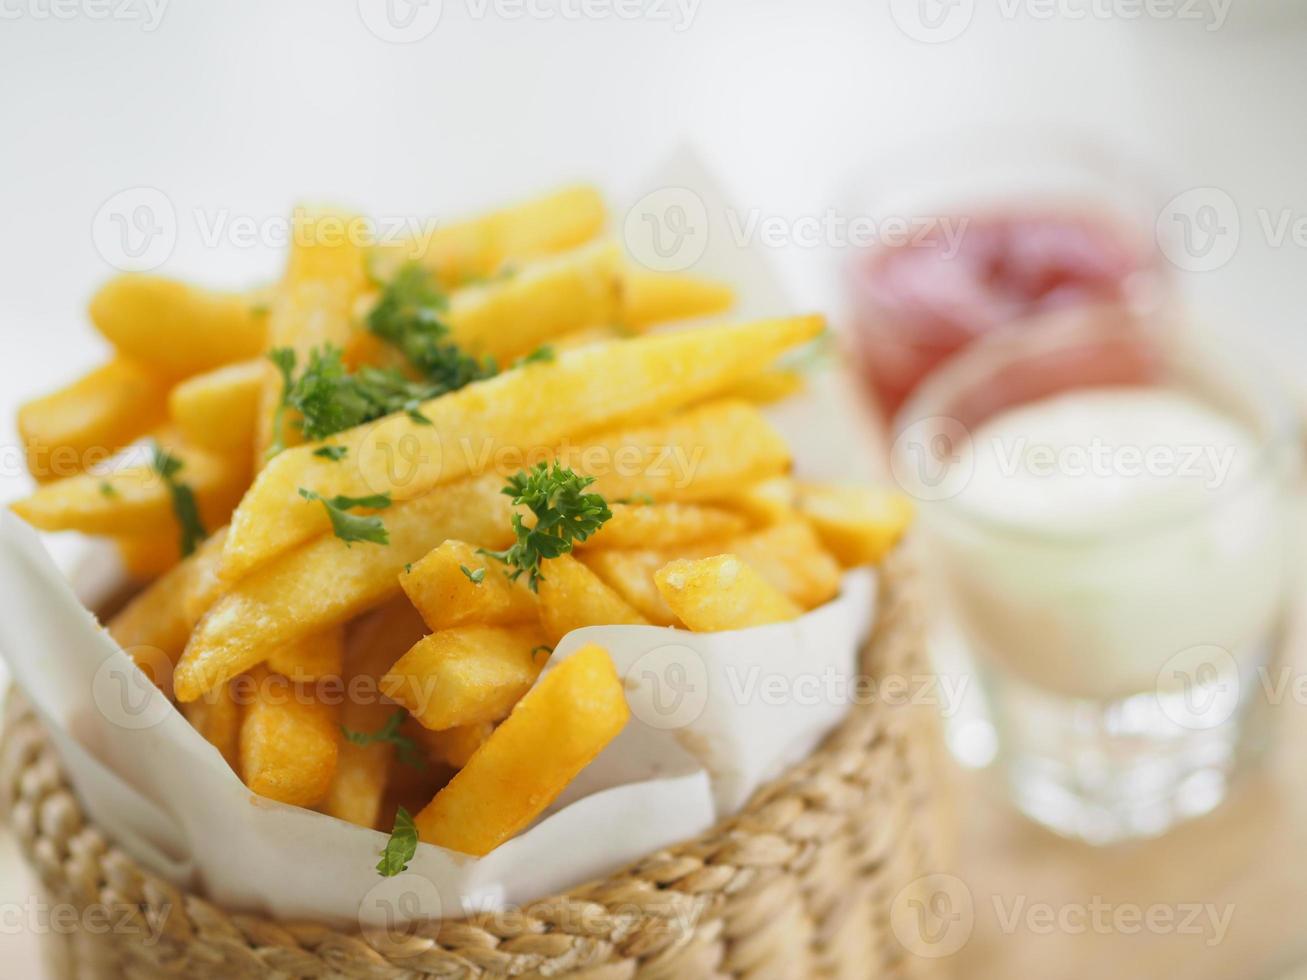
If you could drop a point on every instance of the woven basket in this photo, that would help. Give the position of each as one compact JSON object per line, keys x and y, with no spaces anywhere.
{"x":798,"y":885}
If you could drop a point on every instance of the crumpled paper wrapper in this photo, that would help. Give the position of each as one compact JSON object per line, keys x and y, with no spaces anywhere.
{"x":713,"y":717}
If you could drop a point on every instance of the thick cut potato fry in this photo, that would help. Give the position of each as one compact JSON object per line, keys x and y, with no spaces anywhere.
{"x":178,"y":329}
{"x":767,"y":502}
{"x":217,"y":717}
{"x":447,"y":596}
{"x":159,"y":617}
{"x":552,"y":734}
{"x":631,"y":575}
{"x":76,"y":427}
{"x":327,"y":583}
{"x":721,"y":593}
{"x":657,"y":297}
{"x":512,"y":317}
{"x":478,"y":247}
{"x":217,"y":410}
{"x":147,"y":556}
{"x":663,"y":526}
{"x":289,"y":741}
{"x":466,"y":675}
{"x":769,"y":387}
{"x":791,"y":558}
{"x":534,"y":406}
{"x":376,"y":640}
{"x":571,"y":596}
{"x":311,"y":658}
{"x":136,"y":499}
{"x":859,"y":525}
{"x":455,"y":746}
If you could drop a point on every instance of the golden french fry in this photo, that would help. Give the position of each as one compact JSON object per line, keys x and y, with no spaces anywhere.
{"x":158,"y":617}
{"x":136,"y":499}
{"x":217,"y":717}
{"x":768,"y":501}
{"x":859,"y":525}
{"x":631,"y":575}
{"x":147,"y":556}
{"x":571,"y":596}
{"x":466,"y":675}
{"x":177,"y":328}
{"x":721,"y":593}
{"x":76,"y":427}
{"x":289,"y":739}
{"x":327,"y":583}
{"x":311,"y":658}
{"x":448,"y":596}
{"x":552,"y":734}
{"x":534,"y":406}
{"x":791,"y":558}
{"x":217,"y":410}
{"x":512,"y":317}
{"x":455,"y":746}
{"x":658,"y":297}
{"x":462,"y":251}
{"x":663,"y":526}
{"x":376,"y":640}
{"x":769,"y":387}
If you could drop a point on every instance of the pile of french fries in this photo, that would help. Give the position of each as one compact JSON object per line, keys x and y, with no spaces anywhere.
{"x":399,"y":671}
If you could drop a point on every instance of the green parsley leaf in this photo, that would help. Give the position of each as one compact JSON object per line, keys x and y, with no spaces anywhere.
{"x":476,"y":577}
{"x":333,"y":453}
{"x":547,"y":650}
{"x":406,"y":748}
{"x":639,"y":498}
{"x":183,"y":500}
{"x":352,"y":527}
{"x":107,"y":489}
{"x":401,"y":847}
{"x":541,"y":355}
{"x":564,"y":513}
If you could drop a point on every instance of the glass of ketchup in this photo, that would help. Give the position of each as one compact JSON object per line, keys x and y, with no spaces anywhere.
{"x":994,"y":233}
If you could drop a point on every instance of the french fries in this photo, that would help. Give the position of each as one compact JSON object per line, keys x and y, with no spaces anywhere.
{"x":858,"y":525}
{"x":631,"y":575}
{"x":552,"y":734}
{"x":664,"y":526}
{"x":658,"y":297}
{"x":466,"y":675}
{"x":75,"y":428}
{"x":710,"y":595}
{"x":218,"y":718}
{"x":289,"y":740}
{"x":176,"y":328}
{"x":533,"y":406}
{"x":217,"y":410}
{"x":311,"y":658}
{"x":455,"y":586}
{"x":572,"y":596}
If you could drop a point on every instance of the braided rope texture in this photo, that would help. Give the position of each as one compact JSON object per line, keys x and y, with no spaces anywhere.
{"x":798,"y":885}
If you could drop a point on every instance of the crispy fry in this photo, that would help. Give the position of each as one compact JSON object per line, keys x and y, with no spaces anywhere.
{"x":663,"y":526}
{"x":859,"y":525}
{"x":631,"y":575}
{"x":455,"y":746}
{"x":768,"y":387}
{"x":147,"y":556}
{"x":135,"y":499}
{"x":466,"y":675}
{"x":767,"y":501}
{"x":376,"y":640}
{"x":448,"y":596}
{"x":217,"y":717}
{"x":553,"y":733}
{"x":790,"y":558}
{"x":572,"y":596}
{"x":534,"y":406}
{"x":289,"y":741}
{"x":85,"y":423}
{"x":462,"y":251}
{"x":656,"y":297}
{"x":178,"y":329}
{"x":327,"y":583}
{"x":721,"y":593}
{"x":217,"y":410}
{"x":512,"y":317}
{"x":311,"y":658}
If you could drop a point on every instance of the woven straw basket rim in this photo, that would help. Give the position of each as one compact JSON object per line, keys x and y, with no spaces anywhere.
{"x":798,"y":884}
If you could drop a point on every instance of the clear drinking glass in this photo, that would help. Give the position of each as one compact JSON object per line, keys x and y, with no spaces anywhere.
{"x":1121,"y":660}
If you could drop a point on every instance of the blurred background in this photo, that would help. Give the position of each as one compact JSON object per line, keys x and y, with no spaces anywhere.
{"x":219,"y":117}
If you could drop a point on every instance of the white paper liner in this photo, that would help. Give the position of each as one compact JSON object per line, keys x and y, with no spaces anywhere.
{"x":713,"y":716}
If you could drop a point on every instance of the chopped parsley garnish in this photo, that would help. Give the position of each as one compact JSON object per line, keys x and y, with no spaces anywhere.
{"x":405,"y":747}
{"x":477,"y":577}
{"x":541,"y":355}
{"x":564,"y":513}
{"x":183,"y":499}
{"x":409,"y":315}
{"x":639,"y":498}
{"x":107,"y":489}
{"x":353,"y":527}
{"x":333,"y":453}
{"x":401,"y":847}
